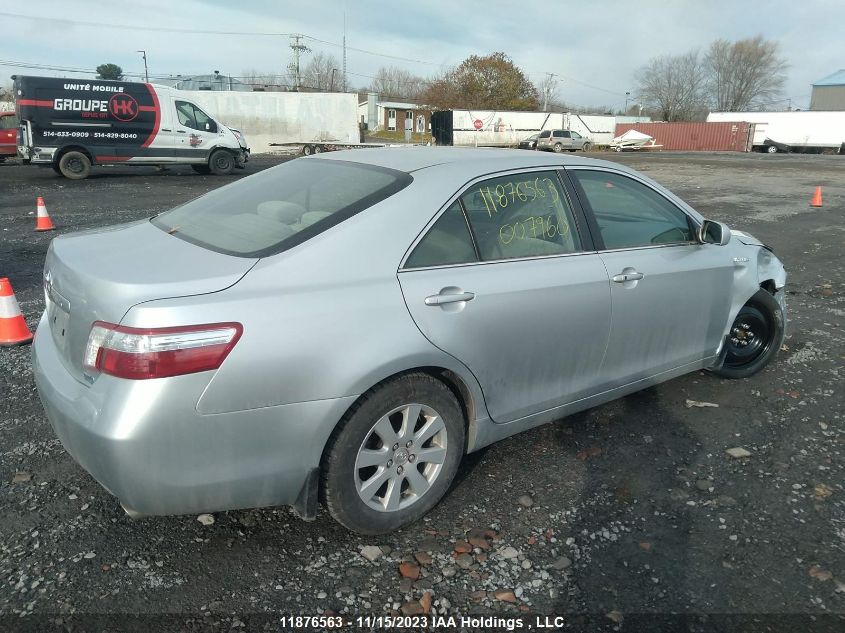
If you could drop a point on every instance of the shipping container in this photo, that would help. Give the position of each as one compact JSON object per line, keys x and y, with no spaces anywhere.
{"x":729,"y":136}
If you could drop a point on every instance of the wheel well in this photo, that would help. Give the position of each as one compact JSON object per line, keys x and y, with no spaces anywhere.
{"x":450,"y":379}
{"x":453,"y":382}
{"x":72,"y":148}
{"x":769,"y":286}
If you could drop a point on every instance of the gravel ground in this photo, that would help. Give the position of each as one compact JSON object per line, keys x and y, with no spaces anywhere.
{"x":627,"y":516}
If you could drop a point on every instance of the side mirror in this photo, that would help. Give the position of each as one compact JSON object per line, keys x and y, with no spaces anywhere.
{"x":714,"y":233}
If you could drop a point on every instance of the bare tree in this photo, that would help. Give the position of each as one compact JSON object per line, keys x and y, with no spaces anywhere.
{"x":673,"y":86}
{"x":397,"y":83}
{"x":318,"y":72}
{"x":548,"y":90}
{"x":262,"y":80}
{"x":745,"y":74}
{"x":7,"y":92}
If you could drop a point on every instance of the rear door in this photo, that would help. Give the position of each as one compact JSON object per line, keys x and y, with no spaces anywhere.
{"x":670,"y":294}
{"x":505,"y":282}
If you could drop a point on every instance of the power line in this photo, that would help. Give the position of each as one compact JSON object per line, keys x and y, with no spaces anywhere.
{"x":167,"y":29}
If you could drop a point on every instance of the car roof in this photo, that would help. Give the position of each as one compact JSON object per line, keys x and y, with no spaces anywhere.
{"x":411,"y":159}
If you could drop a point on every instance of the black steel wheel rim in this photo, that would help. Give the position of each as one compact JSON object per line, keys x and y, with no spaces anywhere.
{"x":749,"y":337}
{"x":75,"y":165}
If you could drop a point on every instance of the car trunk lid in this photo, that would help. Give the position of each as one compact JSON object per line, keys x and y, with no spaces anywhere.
{"x":99,"y":275}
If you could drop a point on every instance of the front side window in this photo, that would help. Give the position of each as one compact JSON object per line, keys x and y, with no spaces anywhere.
{"x":185,"y":113}
{"x":191,"y":116}
{"x":521,"y":215}
{"x":575,"y":135}
{"x":630,"y":214}
{"x":281,"y":207}
{"x":447,"y":242}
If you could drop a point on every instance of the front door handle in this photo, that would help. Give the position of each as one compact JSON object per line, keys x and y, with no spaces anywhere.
{"x":441,"y":299}
{"x":633,"y":275}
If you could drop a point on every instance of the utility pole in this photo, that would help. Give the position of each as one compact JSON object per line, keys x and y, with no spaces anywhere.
{"x":343,"y":79}
{"x":146,"y":74}
{"x":627,"y":94}
{"x":298,"y":48}
{"x":548,"y":87}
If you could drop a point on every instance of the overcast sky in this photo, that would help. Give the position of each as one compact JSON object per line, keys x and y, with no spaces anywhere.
{"x":594,"y":46}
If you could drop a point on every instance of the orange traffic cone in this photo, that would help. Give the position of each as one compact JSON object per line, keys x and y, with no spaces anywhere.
{"x":13,"y":329}
{"x":817,"y":198}
{"x":43,"y":221}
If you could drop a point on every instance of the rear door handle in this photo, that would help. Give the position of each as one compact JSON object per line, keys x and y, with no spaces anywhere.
{"x":621,"y":278}
{"x":439,"y":300}
{"x":181,"y":131}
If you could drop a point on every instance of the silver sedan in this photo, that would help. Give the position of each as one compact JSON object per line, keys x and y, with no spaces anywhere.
{"x":344,"y":328}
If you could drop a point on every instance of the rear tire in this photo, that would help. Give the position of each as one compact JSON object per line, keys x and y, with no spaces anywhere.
{"x":586,"y":147}
{"x":221,"y":162}
{"x":558,"y":148}
{"x":394,"y":455}
{"x":754,"y":338}
{"x":201,"y":169}
{"x":75,"y":166}
{"x":307,"y":150}
{"x":319,"y":149}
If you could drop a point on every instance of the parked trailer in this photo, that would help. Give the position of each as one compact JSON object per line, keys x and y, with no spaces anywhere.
{"x":803,"y":131}
{"x":498,"y":128}
{"x":307,"y":148}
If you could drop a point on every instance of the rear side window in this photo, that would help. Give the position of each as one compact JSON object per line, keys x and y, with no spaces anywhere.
{"x":521,"y":215}
{"x":545,"y":134}
{"x":630,"y":214}
{"x":447,"y":242}
{"x":281,"y":207}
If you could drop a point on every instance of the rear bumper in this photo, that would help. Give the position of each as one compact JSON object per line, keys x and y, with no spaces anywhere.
{"x":146,"y":444}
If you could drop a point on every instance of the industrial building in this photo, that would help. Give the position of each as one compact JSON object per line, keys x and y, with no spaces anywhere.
{"x":829,"y":93}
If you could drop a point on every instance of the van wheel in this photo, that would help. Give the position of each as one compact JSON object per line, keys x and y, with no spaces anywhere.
{"x":201,"y":169}
{"x":394,"y":455}
{"x":75,"y":165}
{"x":221,"y":163}
{"x":558,"y":148}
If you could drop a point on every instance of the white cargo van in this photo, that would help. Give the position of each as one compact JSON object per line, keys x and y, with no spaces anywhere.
{"x":71,"y":124}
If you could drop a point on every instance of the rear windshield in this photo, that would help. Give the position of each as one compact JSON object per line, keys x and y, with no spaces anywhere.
{"x":281,"y":207}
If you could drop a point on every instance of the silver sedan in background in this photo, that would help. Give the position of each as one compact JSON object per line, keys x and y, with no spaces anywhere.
{"x":346,"y":327}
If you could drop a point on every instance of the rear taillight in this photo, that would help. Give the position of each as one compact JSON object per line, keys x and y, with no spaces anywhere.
{"x":141,"y":353}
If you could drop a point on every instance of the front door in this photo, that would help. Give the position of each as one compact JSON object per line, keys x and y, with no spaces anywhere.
{"x":196,"y":132}
{"x":520,"y":301}
{"x":670,"y":295}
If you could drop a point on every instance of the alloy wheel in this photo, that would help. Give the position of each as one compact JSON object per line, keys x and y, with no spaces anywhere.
{"x":401,"y":457}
